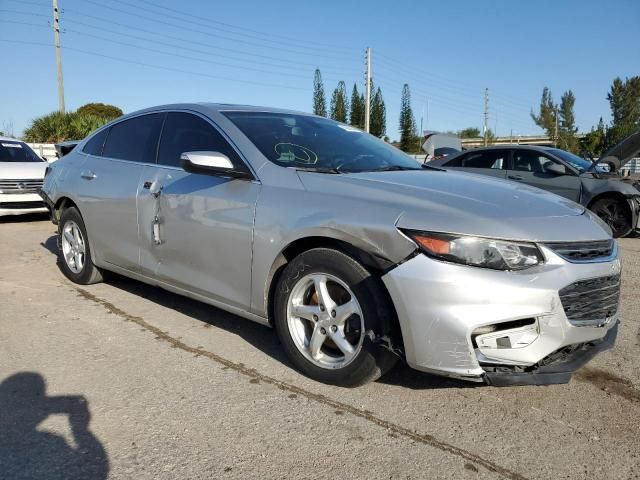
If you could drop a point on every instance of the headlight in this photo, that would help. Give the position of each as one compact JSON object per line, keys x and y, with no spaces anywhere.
{"x":478,"y":251}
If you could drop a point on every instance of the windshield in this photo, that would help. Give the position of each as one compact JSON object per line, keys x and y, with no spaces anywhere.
{"x":319,"y":144}
{"x":580,"y":164}
{"x":14,"y":151}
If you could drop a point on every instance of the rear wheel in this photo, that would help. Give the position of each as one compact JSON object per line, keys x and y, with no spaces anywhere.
{"x":327,"y":311}
{"x":615,"y":213}
{"x":74,"y":249}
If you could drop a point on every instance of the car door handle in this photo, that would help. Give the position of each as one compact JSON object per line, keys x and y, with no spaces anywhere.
{"x":88,"y":175}
{"x":154,"y":187}
{"x":515,"y":177}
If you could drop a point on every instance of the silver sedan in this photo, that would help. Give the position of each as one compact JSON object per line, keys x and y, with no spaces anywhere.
{"x":356,"y":255}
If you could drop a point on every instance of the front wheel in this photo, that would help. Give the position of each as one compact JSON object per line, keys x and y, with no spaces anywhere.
{"x":615,"y":213}
{"x":327,"y":312}
{"x":74,"y":250}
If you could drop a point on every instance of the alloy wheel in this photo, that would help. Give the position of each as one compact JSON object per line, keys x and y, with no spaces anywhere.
{"x":325,"y":320}
{"x":73,"y":246}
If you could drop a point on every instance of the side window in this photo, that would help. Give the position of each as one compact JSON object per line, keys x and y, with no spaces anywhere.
{"x":456,"y":162}
{"x":185,"y":132}
{"x":485,"y":159}
{"x":135,"y":139}
{"x":95,"y":144}
{"x":530,"y":161}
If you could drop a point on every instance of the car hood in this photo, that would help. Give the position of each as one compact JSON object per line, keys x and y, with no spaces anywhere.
{"x":22,"y":170}
{"x":620,"y":154}
{"x":464,"y":203}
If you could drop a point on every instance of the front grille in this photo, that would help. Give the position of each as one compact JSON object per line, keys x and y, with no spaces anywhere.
{"x":20,"y":185}
{"x":581,"y":252}
{"x":591,"y":302}
{"x":20,"y":205}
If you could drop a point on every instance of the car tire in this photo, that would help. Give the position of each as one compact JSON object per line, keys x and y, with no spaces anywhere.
{"x":326,"y":276}
{"x":615,"y":213}
{"x":74,"y":251}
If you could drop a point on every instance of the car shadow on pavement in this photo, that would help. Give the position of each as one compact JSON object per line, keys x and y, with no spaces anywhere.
{"x":261,"y":337}
{"x":405,"y":376}
{"x":26,"y":452}
{"x":27,"y":217}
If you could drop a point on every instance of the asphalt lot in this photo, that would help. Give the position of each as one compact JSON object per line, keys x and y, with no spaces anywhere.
{"x":141,"y":383}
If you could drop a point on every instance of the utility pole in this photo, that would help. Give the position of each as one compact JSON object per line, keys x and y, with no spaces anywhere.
{"x":555,"y":139}
{"x":367,"y":98}
{"x":486,"y":113}
{"x":56,"y":42}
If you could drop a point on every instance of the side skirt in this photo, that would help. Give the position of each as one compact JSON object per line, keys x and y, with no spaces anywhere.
{"x":186,"y":293}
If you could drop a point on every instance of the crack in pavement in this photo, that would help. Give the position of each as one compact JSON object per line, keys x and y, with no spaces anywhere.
{"x":259,"y":377}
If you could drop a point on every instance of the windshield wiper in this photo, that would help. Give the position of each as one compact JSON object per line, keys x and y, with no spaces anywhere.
{"x":319,"y":169}
{"x":394,"y":168}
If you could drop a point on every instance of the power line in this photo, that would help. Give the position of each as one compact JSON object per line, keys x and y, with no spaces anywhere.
{"x":445,"y":79}
{"x":28,"y":14}
{"x":422,"y":81}
{"x":159,"y":67}
{"x":209,"y":21}
{"x":204,"y":32}
{"x":187,"y":57}
{"x":203,"y":52}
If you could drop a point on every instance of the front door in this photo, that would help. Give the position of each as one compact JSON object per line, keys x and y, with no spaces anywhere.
{"x":195,"y":229}
{"x":529,"y":166}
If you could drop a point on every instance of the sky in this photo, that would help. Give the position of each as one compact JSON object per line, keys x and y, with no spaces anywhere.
{"x":140,"y":53}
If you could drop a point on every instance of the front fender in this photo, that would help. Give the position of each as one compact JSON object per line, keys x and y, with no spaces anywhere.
{"x":283,"y":217}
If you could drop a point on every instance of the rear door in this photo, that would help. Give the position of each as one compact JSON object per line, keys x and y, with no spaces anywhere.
{"x":196,"y":230}
{"x":486,"y":162}
{"x":108,"y":185}
{"x":529,"y":166}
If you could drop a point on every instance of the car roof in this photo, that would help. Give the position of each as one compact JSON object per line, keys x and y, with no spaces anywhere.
{"x":519,"y":146}
{"x":216,"y":107}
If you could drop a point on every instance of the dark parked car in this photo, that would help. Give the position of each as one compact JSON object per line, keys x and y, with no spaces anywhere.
{"x":613,"y":198}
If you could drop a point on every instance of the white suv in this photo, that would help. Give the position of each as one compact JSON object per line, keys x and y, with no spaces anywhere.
{"x":21,"y":175}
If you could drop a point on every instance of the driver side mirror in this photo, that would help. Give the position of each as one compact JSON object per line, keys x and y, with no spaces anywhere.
{"x":211,"y":163}
{"x":556,"y":169}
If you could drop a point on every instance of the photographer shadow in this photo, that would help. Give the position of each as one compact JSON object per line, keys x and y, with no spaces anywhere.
{"x":26,"y":452}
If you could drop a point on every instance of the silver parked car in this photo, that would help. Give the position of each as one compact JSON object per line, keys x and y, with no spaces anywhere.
{"x":356,"y":254}
{"x":21,"y":175}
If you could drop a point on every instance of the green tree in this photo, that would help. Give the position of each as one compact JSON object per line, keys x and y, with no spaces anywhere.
{"x":339,"y":109}
{"x":408,"y":134}
{"x":471,"y":132}
{"x":58,"y":127}
{"x":624,"y":100}
{"x":102,"y":110}
{"x":319,"y":100}
{"x":567,"y":125}
{"x":546,"y":117}
{"x":378,"y":115}
{"x":356,"y":115}
{"x":593,"y":144}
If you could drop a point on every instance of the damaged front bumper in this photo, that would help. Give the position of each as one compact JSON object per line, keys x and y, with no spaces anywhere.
{"x":501,"y":327}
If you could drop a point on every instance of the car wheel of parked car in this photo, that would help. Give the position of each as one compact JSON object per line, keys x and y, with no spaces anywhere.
{"x":74,"y":250}
{"x":615,"y":213}
{"x":327,"y":311}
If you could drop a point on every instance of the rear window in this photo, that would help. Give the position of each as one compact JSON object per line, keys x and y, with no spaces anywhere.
{"x":483,"y":159}
{"x":14,"y":151}
{"x":444,"y":151}
{"x":95,"y":144}
{"x":135,"y":139}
